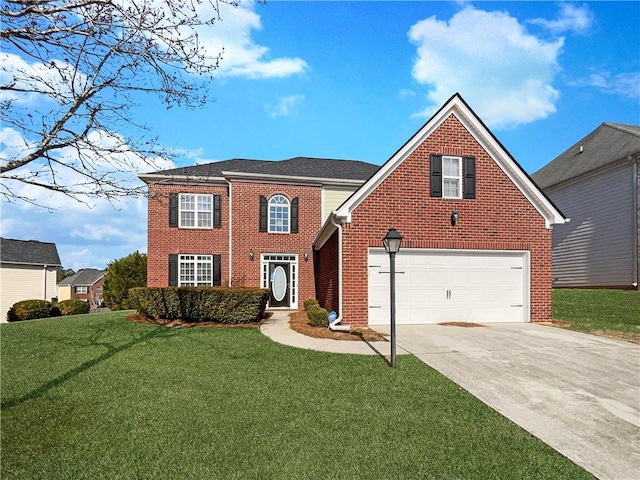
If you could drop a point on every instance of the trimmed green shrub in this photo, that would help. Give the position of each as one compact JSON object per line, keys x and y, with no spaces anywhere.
{"x":200,"y":304}
{"x":318,"y":317}
{"x":73,"y":307}
{"x":30,"y":309}
{"x":311,"y":303}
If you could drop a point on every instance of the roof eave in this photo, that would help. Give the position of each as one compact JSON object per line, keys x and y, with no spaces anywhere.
{"x":271,"y":178}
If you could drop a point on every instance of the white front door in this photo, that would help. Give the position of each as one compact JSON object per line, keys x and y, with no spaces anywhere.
{"x":435,"y":286}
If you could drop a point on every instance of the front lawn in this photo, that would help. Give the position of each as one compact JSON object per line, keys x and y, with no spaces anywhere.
{"x":95,"y":396}
{"x":610,"y":313}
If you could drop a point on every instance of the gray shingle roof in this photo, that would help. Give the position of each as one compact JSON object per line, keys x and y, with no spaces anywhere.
{"x":29,"y":252}
{"x":85,"y":277}
{"x":293,"y":167}
{"x":607,"y":144}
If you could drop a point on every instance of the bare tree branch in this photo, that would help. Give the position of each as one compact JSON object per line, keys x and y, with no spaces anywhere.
{"x":71,"y":76}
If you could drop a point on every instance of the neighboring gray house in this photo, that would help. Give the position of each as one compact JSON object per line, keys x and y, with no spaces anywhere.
{"x":85,"y":285}
{"x":595,"y":184}
{"x":28,"y":270}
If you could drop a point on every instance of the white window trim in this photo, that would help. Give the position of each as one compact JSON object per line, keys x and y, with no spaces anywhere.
{"x":186,"y":259}
{"x":454,"y":177}
{"x":288,"y":215}
{"x":195,"y":211}
{"x":82,"y":287}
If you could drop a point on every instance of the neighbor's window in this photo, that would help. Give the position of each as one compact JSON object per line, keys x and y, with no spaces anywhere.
{"x":279,"y":214}
{"x":82,"y":289}
{"x":451,"y":177}
{"x":195,"y":270}
{"x":196,"y":211}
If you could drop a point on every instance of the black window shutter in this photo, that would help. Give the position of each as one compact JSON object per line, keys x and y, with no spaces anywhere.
{"x":217,"y":270}
{"x":216,"y":211}
{"x":173,"y":270}
{"x":294,"y":215}
{"x":436,"y":175}
{"x":469,"y":177}
{"x":173,"y":209}
{"x":263,"y":214}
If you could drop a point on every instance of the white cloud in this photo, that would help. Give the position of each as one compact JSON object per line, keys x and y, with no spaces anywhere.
{"x":285,"y":106}
{"x":624,"y":84}
{"x":571,"y":18}
{"x":504,"y":72}
{"x":241,"y":55}
{"x":406,"y":93}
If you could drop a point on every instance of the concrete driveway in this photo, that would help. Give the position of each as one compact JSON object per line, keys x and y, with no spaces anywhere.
{"x":578,"y":393}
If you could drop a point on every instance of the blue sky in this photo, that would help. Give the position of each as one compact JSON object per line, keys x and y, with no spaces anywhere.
{"x":355,"y":80}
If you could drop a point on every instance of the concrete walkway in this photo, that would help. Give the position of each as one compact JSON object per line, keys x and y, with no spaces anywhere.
{"x":578,"y":393}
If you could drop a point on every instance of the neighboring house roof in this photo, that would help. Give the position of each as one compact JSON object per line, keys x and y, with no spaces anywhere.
{"x":607,"y":144}
{"x":458,"y":107}
{"x":85,"y":277}
{"x":321,"y":169}
{"x":29,"y":252}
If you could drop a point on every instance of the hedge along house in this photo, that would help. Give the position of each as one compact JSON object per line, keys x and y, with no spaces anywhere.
{"x":245,"y":222}
{"x":477,"y":233}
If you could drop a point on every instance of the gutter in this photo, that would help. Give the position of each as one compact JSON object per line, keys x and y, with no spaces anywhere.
{"x":335,"y":324}
{"x":230,"y":223}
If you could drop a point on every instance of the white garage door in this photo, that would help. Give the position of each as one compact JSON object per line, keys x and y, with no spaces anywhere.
{"x":434,"y":286}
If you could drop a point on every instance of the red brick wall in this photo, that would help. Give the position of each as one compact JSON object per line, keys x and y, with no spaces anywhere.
{"x":327,"y":274}
{"x":247,"y":237}
{"x":164,"y":240}
{"x":500,"y":218}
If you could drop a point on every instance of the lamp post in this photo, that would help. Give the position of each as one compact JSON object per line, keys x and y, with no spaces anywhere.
{"x":391,"y":242}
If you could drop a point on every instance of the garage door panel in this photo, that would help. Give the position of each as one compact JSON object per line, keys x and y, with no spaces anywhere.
{"x":441,"y":286}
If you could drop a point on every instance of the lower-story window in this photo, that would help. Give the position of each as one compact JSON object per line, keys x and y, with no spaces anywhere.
{"x":192,"y":270}
{"x":196,"y":270}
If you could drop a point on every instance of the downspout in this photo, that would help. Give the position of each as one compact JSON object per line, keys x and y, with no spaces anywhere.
{"x":44,"y":286}
{"x":636,"y":219}
{"x":335,"y":325}
{"x":230,"y":223}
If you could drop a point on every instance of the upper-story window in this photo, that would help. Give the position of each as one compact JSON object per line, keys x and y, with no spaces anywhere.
{"x":279,"y":214}
{"x":192,"y":210}
{"x":451,"y":177}
{"x":82,"y":289}
{"x":196,"y":211}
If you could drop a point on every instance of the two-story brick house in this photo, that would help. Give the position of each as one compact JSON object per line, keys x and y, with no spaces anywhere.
{"x":477,"y":230}
{"x":245,"y":222}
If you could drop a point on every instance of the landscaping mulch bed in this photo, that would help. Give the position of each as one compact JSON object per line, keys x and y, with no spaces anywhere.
{"x":138,"y":318}
{"x":299,"y":322}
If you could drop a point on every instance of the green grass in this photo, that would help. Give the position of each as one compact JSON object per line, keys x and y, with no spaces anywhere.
{"x":97,"y":397}
{"x":611,"y":313}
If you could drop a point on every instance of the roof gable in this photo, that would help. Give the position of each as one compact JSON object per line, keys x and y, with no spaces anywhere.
{"x":85,"y":277}
{"x":29,"y":252}
{"x":458,"y":107}
{"x":607,"y":144}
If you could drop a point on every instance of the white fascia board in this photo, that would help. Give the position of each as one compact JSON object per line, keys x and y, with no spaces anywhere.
{"x":150,"y":178}
{"x":515,"y":173}
{"x":330,"y":226}
{"x":470,"y":121}
{"x":358,"y":197}
{"x":297,"y":180}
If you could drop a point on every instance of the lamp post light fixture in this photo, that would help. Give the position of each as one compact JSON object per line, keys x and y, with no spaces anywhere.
{"x":391,"y":242}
